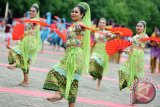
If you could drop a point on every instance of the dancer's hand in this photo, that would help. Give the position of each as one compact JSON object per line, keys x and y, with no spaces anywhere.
{"x":78,"y":28}
{"x":126,"y":51}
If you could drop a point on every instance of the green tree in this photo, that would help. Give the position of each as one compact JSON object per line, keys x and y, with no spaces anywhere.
{"x":127,"y":12}
{"x":143,"y":10}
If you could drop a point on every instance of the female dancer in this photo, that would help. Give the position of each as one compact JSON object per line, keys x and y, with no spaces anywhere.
{"x":8,"y":27}
{"x":26,"y":50}
{"x":59,"y":25}
{"x":155,"y":52}
{"x":115,"y":58}
{"x":99,"y":58}
{"x":64,"y":76}
{"x":133,"y":68}
{"x":45,"y":31}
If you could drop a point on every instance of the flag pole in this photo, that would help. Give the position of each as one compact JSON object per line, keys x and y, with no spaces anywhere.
{"x":6,"y":10}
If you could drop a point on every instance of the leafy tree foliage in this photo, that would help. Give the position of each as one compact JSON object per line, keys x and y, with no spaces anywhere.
{"x":126,"y":12}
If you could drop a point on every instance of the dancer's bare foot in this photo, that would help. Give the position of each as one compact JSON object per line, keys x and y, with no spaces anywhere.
{"x":55,"y":97}
{"x":98,"y":88}
{"x":13,"y":66}
{"x":58,"y":49}
{"x":98,"y":84}
{"x":54,"y":47}
{"x":131,"y":104}
{"x":23,"y":83}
